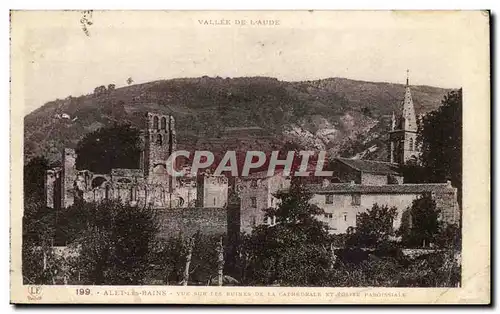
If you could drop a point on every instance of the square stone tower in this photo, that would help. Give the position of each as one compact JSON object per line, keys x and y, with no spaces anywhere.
{"x":68,"y":177}
{"x":159,"y":142}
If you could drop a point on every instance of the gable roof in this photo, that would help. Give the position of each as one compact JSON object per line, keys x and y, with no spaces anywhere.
{"x":371,"y":166}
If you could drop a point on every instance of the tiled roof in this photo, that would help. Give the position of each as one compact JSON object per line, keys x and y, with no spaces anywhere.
{"x":370,"y":166}
{"x":389,"y":189}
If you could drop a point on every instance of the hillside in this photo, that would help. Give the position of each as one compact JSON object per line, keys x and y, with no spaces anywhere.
{"x":344,"y":116}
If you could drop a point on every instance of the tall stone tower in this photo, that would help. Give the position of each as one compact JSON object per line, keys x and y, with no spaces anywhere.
{"x":159,"y":142}
{"x":68,"y":177}
{"x":403,"y":134}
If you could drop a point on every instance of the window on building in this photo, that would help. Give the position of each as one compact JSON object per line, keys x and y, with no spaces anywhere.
{"x":159,"y":140}
{"x":214,"y":201}
{"x":106,"y":192}
{"x":345,"y":216}
{"x":329,"y":199}
{"x":253,"y":201}
{"x":335,"y":180}
{"x":411,"y":143}
{"x":253,"y":219}
{"x":329,"y":215}
{"x":356,"y":199}
{"x":155,"y":122}
{"x":133,"y":194}
{"x":163,"y":124}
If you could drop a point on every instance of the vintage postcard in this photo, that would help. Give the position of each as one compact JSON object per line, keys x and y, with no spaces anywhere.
{"x":260,"y":157}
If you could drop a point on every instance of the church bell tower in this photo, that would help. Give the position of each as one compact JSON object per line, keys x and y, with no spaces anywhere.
{"x":403,"y":134}
{"x":159,"y":143}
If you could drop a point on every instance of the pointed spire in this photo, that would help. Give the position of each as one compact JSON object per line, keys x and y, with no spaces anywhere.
{"x":410,"y":123}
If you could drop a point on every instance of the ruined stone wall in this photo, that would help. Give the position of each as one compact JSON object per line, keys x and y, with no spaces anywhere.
{"x":188,"y":221}
{"x":53,"y":179}
{"x":212,"y":191}
{"x":68,"y":176}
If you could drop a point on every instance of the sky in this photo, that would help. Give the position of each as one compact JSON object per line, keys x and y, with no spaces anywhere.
{"x":59,"y":59}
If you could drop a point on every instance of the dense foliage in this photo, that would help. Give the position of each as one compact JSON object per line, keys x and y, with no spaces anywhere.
{"x":38,"y":264}
{"x":440,"y":136}
{"x":115,"y":243}
{"x":34,"y":179}
{"x":118,"y":245}
{"x":373,"y":227}
{"x":295,"y":251}
{"x":423,"y":223}
{"x":117,"y":146}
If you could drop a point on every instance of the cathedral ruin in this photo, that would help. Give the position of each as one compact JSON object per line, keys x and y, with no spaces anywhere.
{"x":150,"y":185}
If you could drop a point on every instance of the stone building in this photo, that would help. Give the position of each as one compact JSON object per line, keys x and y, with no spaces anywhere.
{"x":345,"y":195}
{"x":212,"y":191}
{"x":257,"y":192}
{"x":149,"y":185}
{"x":342,"y":202}
{"x":403,"y":134}
{"x":357,"y":184}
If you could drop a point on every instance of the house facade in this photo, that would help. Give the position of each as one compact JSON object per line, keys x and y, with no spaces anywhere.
{"x":356,"y":184}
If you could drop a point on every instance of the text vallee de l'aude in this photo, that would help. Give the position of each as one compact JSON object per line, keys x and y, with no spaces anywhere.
{"x":253,"y":160}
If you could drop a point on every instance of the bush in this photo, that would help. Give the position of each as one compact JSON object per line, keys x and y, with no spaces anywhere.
{"x":373,"y":227}
{"x":116,"y":244}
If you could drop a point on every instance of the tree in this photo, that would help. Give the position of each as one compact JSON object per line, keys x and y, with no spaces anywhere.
{"x":111,"y":87}
{"x":100,"y":90}
{"x":450,"y":237}
{"x":110,"y":147}
{"x":440,"y":135}
{"x":34,"y":178}
{"x":373,"y":227}
{"x":38,"y":261}
{"x":130,"y":81}
{"x":116,"y":244}
{"x":295,"y":251}
{"x":414,"y":173}
{"x":424,"y":226}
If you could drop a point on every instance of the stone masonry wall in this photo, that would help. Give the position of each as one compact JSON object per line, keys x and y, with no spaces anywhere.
{"x":188,"y":221}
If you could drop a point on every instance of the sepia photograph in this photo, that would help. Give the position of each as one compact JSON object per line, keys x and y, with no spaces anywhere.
{"x":250,"y":157}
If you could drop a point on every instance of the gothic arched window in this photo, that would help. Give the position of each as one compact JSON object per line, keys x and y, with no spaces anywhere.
{"x":155,"y":122}
{"x":163,"y":124}
{"x":107,"y":192}
{"x":159,"y":140}
{"x":133,"y":194}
